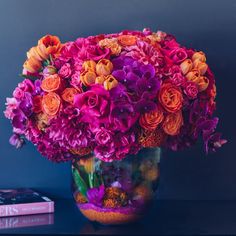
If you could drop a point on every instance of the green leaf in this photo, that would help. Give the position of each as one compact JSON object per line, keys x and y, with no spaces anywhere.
{"x":81,"y":185}
{"x":31,"y":77}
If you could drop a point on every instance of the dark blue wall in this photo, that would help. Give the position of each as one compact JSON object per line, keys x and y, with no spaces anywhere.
{"x":205,"y":25}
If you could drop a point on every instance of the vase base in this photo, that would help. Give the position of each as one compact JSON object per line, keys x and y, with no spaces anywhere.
{"x":110,"y":218}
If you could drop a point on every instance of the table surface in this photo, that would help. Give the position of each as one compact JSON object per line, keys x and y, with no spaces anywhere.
{"x":164,"y":217}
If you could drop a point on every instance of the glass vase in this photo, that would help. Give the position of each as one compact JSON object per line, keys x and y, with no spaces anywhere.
{"x":116,"y":192}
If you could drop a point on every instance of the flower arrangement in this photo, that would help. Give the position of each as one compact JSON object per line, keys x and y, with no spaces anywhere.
{"x":113,"y":95}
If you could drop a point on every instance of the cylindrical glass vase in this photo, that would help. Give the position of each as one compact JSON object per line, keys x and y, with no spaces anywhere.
{"x":116,"y":192}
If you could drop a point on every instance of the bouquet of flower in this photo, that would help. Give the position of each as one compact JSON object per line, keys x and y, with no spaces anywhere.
{"x":113,"y":95}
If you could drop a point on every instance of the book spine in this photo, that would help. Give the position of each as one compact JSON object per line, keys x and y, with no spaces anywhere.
{"x":26,"y":209}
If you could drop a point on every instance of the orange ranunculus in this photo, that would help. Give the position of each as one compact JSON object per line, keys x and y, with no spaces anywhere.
{"x":51,"y":83}
{"x":110,"y":82}
{"x":170,"y":97}
{"x":127,"y":40}
{"x":37,"y":104}
{"x":100,"y":79}
{"x":200,"y":66}
{"x":32,"y":65}
{"x":199,"y":56}
{"x":89,"y":65}
{"x":88,"y":78}
{"x":51,"y":103}
{"x":50,"y":45}
{"x":68,"y":94}
{"x":150,"y":139}
{"x":104,"y":67}
{"x":203,"y":83}
{"x":173,"y":123}
{"x":151,"y":120}
{"x":193,"y":75}
{"x":186,"y":66}
{"x":112,"y":44}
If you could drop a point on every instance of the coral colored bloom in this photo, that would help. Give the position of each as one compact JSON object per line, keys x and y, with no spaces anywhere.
{"x":112,"y":44}
{"x":127,"y":40}
{"x":51,"y":103}
{"x":152,"y":119}
{"x":51,"y":83}
{"x":170,"y":97}
{"x":199,"y":56}
{"x":200,"y":66}
{"x":68,"y":94}
{"x":203,"y":83}
{"x":186,"y":66}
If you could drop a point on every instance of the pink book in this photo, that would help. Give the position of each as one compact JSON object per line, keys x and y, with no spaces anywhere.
{"x":26,"y":221}
{"x":23,"y":202}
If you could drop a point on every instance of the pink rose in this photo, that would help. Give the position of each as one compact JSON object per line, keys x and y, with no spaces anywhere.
{"x":178,"y":79}
{"x":103,"y":136}
{"x":93,"y":104}
{"x":27,"y":86}
{"x":178,"y":55}
{"x":65,"y":71}
{"x":75,"y":80}
{"x":191,"y":90}
{"x":18,"y":93}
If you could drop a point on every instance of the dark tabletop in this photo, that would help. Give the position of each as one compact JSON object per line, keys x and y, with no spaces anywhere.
{"x":164,"y":217}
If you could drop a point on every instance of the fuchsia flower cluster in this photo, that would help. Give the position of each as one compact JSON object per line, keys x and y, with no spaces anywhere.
{"x":113,"y":95}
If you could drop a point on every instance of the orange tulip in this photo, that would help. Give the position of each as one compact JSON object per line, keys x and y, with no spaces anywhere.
{"x":88,"y":78}
{"x":104,"y":67}
{"x":32,"y":65}
{"x":110,"y":82}
{"x":100,"y":79}
{"x":200,"y":66}
{"x":50,"y":45}
{"x":199,"y":56}
{"x":193,"y":75}
{"x":89,"y":65}
{"x":203,"y":83}
{"x":186,"y":66}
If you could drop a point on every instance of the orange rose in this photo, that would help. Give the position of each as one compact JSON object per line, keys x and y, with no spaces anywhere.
{"x":170,"y":97}
{"x":104,"y":67}
{"x":151,"y":138}
{"x":151,"y":120}
{"x":51,"y":83}
{"x":88,"y":78}
{"x":51,"y":103}
{"x":127,"y":40}
{"x":173,"y":123}
{"x":49,"y":45}
{"x":186,"y":66}
{"x":110,"y":82}
{"x":89,"y":65}
{"x":199,"y":56}
{"x":203,"y":83}
{"x":200,"y":66}
{"x":112,"y":44}
{"x":68,"y":94}
{"x":37,"y":104}
{"x":32,"y":65}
